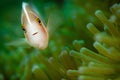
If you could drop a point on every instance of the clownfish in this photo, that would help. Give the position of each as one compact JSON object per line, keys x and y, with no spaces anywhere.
{"x":35,"y":31}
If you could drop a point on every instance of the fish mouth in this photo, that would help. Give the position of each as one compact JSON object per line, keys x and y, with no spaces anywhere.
{"x":35,"y":33}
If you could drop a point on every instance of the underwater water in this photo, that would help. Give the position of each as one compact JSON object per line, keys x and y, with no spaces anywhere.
{"x":84,"y":41}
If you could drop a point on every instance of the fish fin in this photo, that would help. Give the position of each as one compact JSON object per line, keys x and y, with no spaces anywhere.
{"x":54,"y":21}
{"x":19,"y":42}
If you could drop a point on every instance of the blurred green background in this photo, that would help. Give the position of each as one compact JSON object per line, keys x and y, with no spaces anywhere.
{"x":67,"y":21}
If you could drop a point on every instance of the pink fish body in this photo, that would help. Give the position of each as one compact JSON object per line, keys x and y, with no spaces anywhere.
{"x":34,"y":30}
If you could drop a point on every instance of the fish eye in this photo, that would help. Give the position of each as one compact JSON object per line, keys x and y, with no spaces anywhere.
{"x":24,"y":30}
{"x":38,"y":20}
